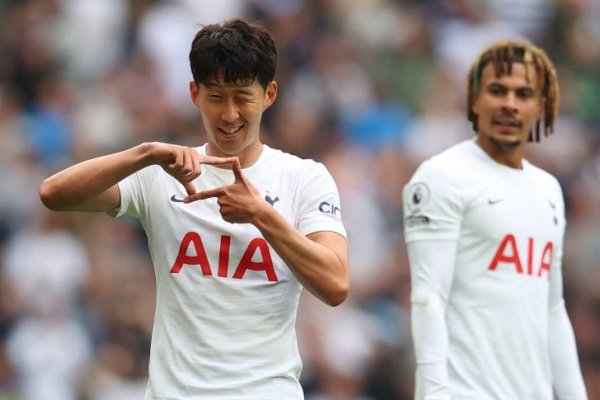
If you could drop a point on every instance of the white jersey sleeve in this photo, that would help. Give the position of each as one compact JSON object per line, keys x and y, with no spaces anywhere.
{"x":432,"y":205}
{"x":319,"y":207}
{"x":135,"y":189}
{"x":432,"y":267}
{"x":567,"y":380}
{"x":433,"y":213}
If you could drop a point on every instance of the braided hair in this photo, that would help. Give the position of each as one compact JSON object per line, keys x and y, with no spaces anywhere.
{"x":503,"y":55}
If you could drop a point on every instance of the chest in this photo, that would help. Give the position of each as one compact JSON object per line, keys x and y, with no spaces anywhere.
{"x":522,"y":208}
{"x":194,"y":238}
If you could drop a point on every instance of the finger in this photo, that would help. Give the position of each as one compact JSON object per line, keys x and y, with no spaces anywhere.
{"x":237,"y":171}
{"x":189,"y":188}
{"x":207,"y":194}
{"x":218,"y":161}
{"x":191,"y":169}
{"x":177,"y":163}
{"x":217,"y":192}
{"x":196,"y":168}
{"x":187,"y":168}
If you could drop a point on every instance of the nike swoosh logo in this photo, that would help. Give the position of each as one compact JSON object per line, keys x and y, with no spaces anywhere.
{"x":494,"y":201}
{"x":176,"y":200}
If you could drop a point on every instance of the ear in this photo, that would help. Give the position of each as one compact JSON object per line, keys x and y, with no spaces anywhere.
{"x":475,"y":102}
{"x":194,"y":92}
{"x":270,"y":94}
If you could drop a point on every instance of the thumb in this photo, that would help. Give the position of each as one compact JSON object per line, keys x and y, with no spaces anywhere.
{"x":237,"y":170}
{"x":189,"y":188}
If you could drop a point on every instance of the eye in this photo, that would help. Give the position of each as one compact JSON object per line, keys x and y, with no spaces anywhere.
{"x":525,"y":93}
{"x":496,"y":90}
{"x":244,"y":96}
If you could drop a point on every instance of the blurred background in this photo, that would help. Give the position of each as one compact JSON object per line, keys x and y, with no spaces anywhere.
{"x":368,"y":87}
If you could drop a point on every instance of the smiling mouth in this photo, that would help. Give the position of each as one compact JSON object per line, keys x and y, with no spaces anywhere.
{"x":230,"y":131}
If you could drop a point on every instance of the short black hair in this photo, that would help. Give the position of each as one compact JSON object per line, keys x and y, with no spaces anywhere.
{"x":235,"y":50}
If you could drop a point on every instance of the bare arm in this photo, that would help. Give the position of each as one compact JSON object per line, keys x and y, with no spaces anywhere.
{"x":319,"y":261}
{"x":92,"y":185}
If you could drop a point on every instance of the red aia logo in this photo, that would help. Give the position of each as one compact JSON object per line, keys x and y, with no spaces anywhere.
{"x":199,"y":258}
{"x":508,"y":253}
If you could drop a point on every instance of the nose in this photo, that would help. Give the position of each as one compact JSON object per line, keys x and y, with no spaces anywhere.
{"x":230,"y":112}
{"x":509,"y":101}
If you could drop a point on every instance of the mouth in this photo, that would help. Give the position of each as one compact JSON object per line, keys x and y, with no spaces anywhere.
{"x":506,"y":123}
{"x":230,"y":131}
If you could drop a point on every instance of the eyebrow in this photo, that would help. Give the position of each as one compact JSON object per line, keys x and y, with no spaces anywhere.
{"x":528,"y":86}
{"x":244,"y":89}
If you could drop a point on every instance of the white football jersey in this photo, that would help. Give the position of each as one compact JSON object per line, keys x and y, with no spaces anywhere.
{"x":508,"y":225}
{"x":225,"y":317}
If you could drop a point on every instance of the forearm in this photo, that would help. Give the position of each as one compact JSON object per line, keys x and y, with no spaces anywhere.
{"x":76,"y":188}
{"x":319,"y":264}
{"x":566,"y":373}
{"x":432,"y":269}
{"x":430,"y":338}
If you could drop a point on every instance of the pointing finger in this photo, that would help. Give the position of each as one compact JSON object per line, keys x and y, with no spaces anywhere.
{"x":218,"y":161}
{"x":207,"y":194}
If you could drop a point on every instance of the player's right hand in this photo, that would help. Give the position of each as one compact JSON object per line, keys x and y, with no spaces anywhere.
{"x":184,"y":163}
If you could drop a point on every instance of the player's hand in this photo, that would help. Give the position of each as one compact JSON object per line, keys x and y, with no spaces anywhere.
{"x":238,"y":202}
{"x":184,"y":163}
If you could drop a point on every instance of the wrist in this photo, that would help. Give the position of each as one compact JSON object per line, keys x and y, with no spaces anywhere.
{"x":145,"y":154}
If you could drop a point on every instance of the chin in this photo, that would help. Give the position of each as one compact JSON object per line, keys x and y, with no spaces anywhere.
{"x":506,"y":143}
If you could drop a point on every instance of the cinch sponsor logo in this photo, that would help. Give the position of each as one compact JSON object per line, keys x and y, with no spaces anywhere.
{"x":417,"y":220}
{"x":329,"y":208}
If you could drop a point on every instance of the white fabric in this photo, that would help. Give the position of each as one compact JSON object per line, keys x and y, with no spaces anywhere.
{"x":503,"y":283}
{"x":432,"y":269}
{"x":227,"y":333}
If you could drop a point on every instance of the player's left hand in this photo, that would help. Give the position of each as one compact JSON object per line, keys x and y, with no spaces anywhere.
{"x":239,"y":202}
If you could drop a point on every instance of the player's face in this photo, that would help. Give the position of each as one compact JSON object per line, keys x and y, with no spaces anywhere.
{"x":231,"y":114}
{"x":507,"y":107}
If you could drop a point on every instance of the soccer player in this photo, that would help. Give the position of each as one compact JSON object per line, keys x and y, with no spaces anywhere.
{"x":484,"y":232}
{"x":232,"y":243}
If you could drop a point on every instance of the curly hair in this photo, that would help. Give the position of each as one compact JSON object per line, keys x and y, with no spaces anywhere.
{"x":503,"y":55}
{"x":236,"y":51}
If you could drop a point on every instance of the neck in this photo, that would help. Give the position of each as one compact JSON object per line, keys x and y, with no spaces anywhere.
{"x":248,"y":156}
{"x":509,"y":154}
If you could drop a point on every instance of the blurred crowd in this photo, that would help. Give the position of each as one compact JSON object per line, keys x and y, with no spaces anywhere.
{"x":368,"y":87}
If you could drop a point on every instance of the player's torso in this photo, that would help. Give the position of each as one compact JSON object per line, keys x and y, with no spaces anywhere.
{"x":510,"y":233}
{"x":510,"y":236}
{"x":226,"y":302}
{"x":230,"y":250}
{"x":194,"y":249}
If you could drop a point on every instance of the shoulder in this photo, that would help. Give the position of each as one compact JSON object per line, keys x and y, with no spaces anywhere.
{"x":444,"y":178}
{"x":544,"y":178}
{"x":546,"y":183}
{"x":452,"y":166}
{"x":292,"y":163}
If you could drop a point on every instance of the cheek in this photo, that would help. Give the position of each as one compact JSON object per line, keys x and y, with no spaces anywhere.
{"x":481,"y":107}
{"x":252,"y":114}
{"x":480,"y":111}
